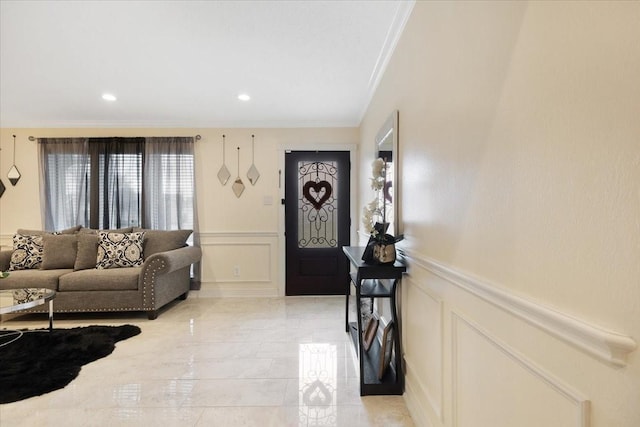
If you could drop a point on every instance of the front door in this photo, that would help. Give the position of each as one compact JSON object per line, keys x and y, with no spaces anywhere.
{"x":317,"y":222}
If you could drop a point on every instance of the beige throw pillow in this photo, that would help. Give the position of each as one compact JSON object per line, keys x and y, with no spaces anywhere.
{"x":59,"y":251}
{"x":163,"y":240}
{"x":87,"y":251}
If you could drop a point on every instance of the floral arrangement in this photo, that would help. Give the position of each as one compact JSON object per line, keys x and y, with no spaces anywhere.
{"x":374,"y":214}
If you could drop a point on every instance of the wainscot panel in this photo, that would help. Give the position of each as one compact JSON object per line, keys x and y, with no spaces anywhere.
{"x":475,"y":360}
{"x":513,"y":390}
{"x":423,"y":344}
{"x":239,"y":264}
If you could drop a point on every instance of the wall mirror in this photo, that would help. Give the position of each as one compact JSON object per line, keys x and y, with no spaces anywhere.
{"x":387,"y":149}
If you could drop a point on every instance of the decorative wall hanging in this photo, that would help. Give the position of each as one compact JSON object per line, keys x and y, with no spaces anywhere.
{"x":317,"y":204}
{"x":238,"y":186}
{"x":14,"y":173}
{"x":223,"y":173}
{"x":253,"y":173}
{"x":321,"y":193}
{"x":2,"y":188}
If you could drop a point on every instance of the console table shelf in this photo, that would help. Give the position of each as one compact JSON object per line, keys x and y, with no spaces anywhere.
{"x":374,"y":288}
{"x":370,"y":384}
{"x":373,"y":281}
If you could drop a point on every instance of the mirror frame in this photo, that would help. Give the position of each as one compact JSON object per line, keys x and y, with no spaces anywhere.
{"x":390,"y":129}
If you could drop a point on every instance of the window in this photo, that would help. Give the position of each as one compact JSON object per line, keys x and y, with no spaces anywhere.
{"x":110,"y":183}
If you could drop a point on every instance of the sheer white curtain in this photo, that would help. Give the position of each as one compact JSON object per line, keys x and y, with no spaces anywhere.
{"x":169,"y":189}
{"x":169,"y":183}
{"x":64,"y":182}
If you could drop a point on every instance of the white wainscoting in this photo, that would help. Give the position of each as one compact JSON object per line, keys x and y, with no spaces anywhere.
{"x":608,"y":346}
{"x":239,"y":264}
{"x":494,"y":385}
{"x":423,"y":316}
{"x":478,"y":354}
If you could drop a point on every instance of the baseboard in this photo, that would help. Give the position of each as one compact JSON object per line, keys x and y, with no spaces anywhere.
{"x":237,"y":289}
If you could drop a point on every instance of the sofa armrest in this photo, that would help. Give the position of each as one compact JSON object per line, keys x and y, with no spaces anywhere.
{"x":165,"y":276}
{"x":5,"y":259}
{"x":162,"y":263}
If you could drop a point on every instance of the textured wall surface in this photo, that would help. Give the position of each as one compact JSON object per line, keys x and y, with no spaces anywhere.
{"x":520,"y":166}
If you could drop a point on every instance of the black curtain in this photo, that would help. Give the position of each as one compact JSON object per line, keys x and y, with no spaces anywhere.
{"x":116,"y":188}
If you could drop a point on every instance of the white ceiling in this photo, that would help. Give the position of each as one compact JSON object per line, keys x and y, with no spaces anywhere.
{"x":183,"y":63}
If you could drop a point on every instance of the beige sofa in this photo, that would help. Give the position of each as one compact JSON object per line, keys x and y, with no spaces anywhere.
{"x":73,"y":264}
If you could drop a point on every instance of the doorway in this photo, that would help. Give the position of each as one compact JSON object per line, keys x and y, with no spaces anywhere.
{"x":317,"y":222}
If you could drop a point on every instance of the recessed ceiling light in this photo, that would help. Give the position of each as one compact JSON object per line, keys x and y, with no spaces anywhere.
{"x":108,"y":97}
{"x":244,"y":97}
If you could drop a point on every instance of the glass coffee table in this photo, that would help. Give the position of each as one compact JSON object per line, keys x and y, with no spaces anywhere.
{"x":12,"y":300}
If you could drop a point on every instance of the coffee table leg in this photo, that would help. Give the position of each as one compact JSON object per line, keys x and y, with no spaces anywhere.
{"x":50,"y":315}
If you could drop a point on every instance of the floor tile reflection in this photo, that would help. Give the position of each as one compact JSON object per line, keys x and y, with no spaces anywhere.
{"x":216,"y":362}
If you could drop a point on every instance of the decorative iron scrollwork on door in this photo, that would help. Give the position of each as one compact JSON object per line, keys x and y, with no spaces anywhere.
{"x":317,"y":204}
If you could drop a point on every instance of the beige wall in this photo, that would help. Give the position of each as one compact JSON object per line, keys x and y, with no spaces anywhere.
{"x":242,"y":232}
{"x":520,"y":153}
{"x":521,"y":198}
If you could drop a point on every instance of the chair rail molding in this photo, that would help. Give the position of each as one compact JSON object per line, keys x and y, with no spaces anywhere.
{"x":239,"y":234}
{"x":605,"y":345}
{"x":580,"y":404}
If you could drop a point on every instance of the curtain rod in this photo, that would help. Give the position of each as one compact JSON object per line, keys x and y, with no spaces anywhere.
{"x":197,"y":138}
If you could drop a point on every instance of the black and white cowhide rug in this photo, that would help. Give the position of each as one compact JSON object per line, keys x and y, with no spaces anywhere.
{"x":41,"y":361}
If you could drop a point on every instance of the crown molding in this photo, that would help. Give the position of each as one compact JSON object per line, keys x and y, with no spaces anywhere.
{"x":393,"y":36}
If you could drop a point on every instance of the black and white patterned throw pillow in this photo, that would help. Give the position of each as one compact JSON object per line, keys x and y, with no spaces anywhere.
{"x":117,"y":250}
{"x":27,"y":252}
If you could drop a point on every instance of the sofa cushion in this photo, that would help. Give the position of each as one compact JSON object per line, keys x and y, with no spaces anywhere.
{"x":71,"y":230}
{"x":87,"y":251}
{"x":27,"y":252}
{"x":59,"y":251}
{"x":84,"y":230}
{"x":115,"y":279}
{"x":33,"y":279}
{"x":163,"y":240}
{"x":119,"y":250}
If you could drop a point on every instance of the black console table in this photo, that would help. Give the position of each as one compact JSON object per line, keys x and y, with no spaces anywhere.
{"x":373,"y":281}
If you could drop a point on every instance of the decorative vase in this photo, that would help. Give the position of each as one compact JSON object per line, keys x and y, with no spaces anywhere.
{"x":384,"y":253}
{"x":381,"y":249}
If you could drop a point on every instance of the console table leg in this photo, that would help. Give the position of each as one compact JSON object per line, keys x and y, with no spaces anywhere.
{"x":346,"y":314}
{"x":396,"y":339}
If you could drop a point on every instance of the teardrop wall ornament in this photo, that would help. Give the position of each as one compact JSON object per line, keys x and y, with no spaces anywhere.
{"x":253,"y":173}
{"x":238,"y":185}
{"x":14,"y":174}
{"x":223,"y":173}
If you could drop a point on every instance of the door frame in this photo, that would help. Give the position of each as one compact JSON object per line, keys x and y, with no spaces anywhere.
{"x":353,"y":209}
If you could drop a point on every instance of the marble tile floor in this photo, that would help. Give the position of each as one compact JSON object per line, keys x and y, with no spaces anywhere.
{"x":216,"y":362}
